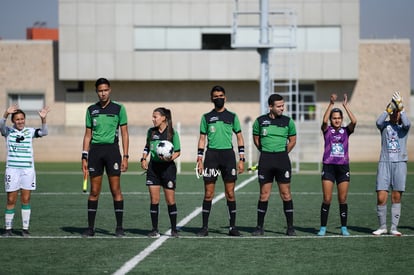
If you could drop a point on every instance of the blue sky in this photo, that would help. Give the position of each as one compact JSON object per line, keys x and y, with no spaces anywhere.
{"x":380,"y":19}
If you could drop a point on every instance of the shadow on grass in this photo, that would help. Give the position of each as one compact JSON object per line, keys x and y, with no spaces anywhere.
{"x":361,"y":229}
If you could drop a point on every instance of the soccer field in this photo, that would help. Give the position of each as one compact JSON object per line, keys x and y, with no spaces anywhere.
{"x":59,"y":217}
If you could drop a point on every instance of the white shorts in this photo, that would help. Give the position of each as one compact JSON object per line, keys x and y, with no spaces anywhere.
{"x":391,"y":175}
{"x":19,"y":178}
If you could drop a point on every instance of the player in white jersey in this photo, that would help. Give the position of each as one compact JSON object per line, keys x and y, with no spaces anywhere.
{"x":392,"y":166}
{"x":20,"y":173}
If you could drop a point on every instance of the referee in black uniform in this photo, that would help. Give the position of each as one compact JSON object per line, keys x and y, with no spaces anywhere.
{"x":101,"y":151}
{"x":218,"y":127}
{"x":274,"y":135}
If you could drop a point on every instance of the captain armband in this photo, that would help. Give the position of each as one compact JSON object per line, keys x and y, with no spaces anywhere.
{"x":85,"y":155}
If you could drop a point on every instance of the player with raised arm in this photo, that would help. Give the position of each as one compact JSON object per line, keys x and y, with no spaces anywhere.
{"x":20,"y":174}
{"x":336,"y":162}
{"x":392,"y":165}
{"x":218,"y":127}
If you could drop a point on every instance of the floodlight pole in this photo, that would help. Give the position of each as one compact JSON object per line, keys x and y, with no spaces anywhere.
{"x":264,"y":50}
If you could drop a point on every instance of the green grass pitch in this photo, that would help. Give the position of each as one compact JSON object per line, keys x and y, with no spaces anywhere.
{"x":59,"y":216}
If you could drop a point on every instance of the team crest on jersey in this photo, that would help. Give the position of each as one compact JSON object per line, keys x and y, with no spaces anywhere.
{"x":212,"y":129}
{"x":264,"y":132}
{"x":116,"y":166}
{"x":341,"y":131}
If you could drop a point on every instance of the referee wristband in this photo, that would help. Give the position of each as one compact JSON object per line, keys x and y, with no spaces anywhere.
{"x":242,"y":159}
{"x":241,"y":149}
{"x":200,"y":152}
{"x":85,"y":155}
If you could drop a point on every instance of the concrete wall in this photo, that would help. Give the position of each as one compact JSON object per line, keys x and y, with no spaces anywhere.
{"x":28,"y":66}
{"x":97,"y":38}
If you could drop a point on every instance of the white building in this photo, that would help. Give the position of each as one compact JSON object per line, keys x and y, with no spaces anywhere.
{"x":171,"y":52}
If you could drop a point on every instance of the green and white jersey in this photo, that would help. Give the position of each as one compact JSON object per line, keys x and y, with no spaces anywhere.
{"x":19,"y":145}
{"x":105,"y":122}
{"x":274,"y":132}
{"x":219,"y":128}
{"x":154,"y":136}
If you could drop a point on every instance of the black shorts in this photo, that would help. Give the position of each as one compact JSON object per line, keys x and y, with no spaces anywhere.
{"x":336,"y":173}
{"x":220,"y":162}
{"x":274,"y":166}
{"x":105,"y":156}
{"x":162,"y":173}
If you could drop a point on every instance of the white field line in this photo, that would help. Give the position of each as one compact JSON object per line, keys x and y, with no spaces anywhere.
{"x":129,"y":265}
{"x":282,"y":237}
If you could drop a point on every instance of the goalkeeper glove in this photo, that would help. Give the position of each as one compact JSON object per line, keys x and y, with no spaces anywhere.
{"x":398,"y":101}
{"x":391,"y":107}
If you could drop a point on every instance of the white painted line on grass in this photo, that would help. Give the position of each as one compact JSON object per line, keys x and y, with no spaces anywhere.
{"x":280,"y":236}
{"x":129,"y":265}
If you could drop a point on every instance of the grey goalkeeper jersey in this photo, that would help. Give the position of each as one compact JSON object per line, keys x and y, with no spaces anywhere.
{"x":393,"y":138}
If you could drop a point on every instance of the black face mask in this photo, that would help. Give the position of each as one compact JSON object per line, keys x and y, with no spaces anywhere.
{"x":218,"y":102}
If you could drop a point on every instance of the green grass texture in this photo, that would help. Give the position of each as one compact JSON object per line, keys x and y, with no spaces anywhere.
{"x":59,"y":216}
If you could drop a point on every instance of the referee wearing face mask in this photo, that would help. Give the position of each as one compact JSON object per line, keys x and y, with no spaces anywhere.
{"x":216,"y":132}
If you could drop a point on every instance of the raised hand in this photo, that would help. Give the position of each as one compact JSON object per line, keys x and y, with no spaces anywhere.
{"x":44,"y":111}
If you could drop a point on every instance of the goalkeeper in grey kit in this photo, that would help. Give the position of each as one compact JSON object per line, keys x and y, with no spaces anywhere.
{"x":161,"y":171}
{"x":392,"y":166}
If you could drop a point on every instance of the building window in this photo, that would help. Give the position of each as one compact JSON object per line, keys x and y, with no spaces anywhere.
{"x":213,"y":41}
{"x":306,"y":107}
{"x":31,"y":104}
{"x":308,"y":39}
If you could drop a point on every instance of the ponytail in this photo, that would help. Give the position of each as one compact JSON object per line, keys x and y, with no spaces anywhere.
{"x":170,"y":128}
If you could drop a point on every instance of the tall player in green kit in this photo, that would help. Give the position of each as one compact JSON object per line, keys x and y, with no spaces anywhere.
{"x":274,"y":135}
{"x":218,"y":127}
{"x":101,"y":151}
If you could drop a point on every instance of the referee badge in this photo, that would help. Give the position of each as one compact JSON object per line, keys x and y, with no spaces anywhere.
{"x":170,"y":184}
{"x":287,"y":175}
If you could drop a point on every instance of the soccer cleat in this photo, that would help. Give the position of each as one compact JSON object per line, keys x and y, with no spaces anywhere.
{"x":380,"y":231}
{"x":258,"y":231}
{"x":290,"y":231}
{"x":234,"y":232}
{"x":395,"y":233}
{"x":344,"y":231}
{"x":7,"y":233}
{"x":203,"y":232}
{"x":322,"y":231}
{"x":25,"y":233}
{"x":119,"y":232}
{"x":89,"y":232}
{"x":154,"y":234}
{"x":174,"y":234}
